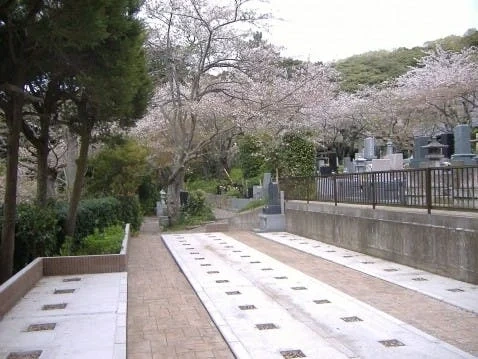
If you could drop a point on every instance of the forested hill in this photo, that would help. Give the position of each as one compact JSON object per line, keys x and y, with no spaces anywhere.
{"x":377,"y":66}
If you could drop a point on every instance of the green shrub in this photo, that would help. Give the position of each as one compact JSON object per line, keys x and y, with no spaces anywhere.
{"x":130,"y":212}
{"x":36,"y":234}
{"x":208,"y":186}
{"x":107,"y":241}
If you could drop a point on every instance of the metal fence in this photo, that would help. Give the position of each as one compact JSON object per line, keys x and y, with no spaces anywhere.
{"x":431,"y":188}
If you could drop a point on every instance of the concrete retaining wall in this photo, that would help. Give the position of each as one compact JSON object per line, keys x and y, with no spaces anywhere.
{"x":245,"y":221}
{"x":444,"y":243}
{"x":229,"y":203}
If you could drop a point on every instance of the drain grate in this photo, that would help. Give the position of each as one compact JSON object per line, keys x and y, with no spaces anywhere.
{"x":63,"y":291}
{"x":266,"y":326}
{"x":222,"y":281}
{"x":316,"y":246}
{"x":290,"y":354}
{"x":73,"y":279}
{"x":367,"y":262}
{"x":391,"y":343}
{"x":236,"y":251}
{"x":234,"y":292}
{"x":245,"y":256}
{"x":390,"y":270}
{"x":254,"y":262}
{"x":303,"y":242}
{"x":299,"y":288}
{"x":331,"y":251}
{"x":321,"y":301}
{"x":33,"y":354}
{"x":190,"y":248}
{"x":283,"y":277}
{"x":194,"y":253}
{"x":266,"y":269}
{"x":199,"y":259}
{"x":205,"y":265}
{"x":229,"y":247}
{"x":455,"y":290}
{"x":54,"y":306}
{"x":247,"y":307}
{"x":40,"y":327}
{"x":212,"y":272}
{"x":419,"y":279}
{"x":351,"y":319}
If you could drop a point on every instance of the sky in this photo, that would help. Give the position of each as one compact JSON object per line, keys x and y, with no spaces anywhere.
{"x":328,"y":30}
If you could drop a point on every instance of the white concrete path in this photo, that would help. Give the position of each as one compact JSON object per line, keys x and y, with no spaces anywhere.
{"x":461,"y":294}
{"x":266,"y":309}
{"x":92,"y":324}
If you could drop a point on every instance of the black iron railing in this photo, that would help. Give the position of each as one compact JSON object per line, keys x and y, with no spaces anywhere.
{"x":431,"y":188}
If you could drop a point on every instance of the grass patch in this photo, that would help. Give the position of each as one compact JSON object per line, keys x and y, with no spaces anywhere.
{"x":107,"y":241}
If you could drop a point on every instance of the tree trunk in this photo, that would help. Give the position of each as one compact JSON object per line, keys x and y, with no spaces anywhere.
{"x":175,"y":184}
{"x":71,"y":156}
{"x":42,"y":165}
{"x":7,"y":247}
{"x":81,"y":164}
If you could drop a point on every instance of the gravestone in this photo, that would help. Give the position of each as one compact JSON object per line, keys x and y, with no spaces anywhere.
{"x":382,"y":164}
{"x":389,"y":148}
{"x":273,"y":200}
{"x":462,"y":134}
{"x":348,"y":165}
{"x":369,"y":148}
{"x":419,"y":152}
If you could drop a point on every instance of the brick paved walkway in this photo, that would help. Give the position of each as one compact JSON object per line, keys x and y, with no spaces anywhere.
{"x":165,"y":317}
{"x":167,"y":320}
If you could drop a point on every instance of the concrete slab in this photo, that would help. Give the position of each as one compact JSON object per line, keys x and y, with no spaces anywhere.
{"x":461,"y":294}
{"x":292,"y":311}
{"x":92,"y":323}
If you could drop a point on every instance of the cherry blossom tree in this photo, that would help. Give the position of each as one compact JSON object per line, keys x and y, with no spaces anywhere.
{"x":216,"y":81}
{"x":443,"y":87}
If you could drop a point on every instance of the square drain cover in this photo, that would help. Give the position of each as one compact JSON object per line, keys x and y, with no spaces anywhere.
{"x":303,"y":242}
{"x":199,"y":259}
{"x":54,"y":306}
{"x":236,"y":251}
{"x":229,"y":247}
{"x":255,"y":262}
{"x":245,"y":256}
{"x":34,"y":354}
{"x":247,"y":307}
{"x":391,"y":343}
{"x":351,"y":319}
{"x":194,"y":253}
{"x":205,"y":265}
{"x":321,"y":301}
{"x":283,"y":277}
{"x":299,"y":288}
{"x":316,"y":246}
{"x":331,"y":251}
{"x":234,"y":292}
{"x":266,"y":326}
{"x":63,"y":291}
{"x":266,"y":269}
{"x":74,"y":279}
{"x":290,"y":354}
{"x":455,"y":290}
{"x":190,"y":248}
{"x":366,"y":262}
{"x":390,"y":270}
{"x":348,"y":256}
{"x":419,"y":279}
{"x":212,"y":272}
{"x":40,"y":327}
{"x":222,"y":281}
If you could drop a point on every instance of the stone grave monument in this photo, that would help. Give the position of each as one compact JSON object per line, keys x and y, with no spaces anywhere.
{"x":463,"y":155}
